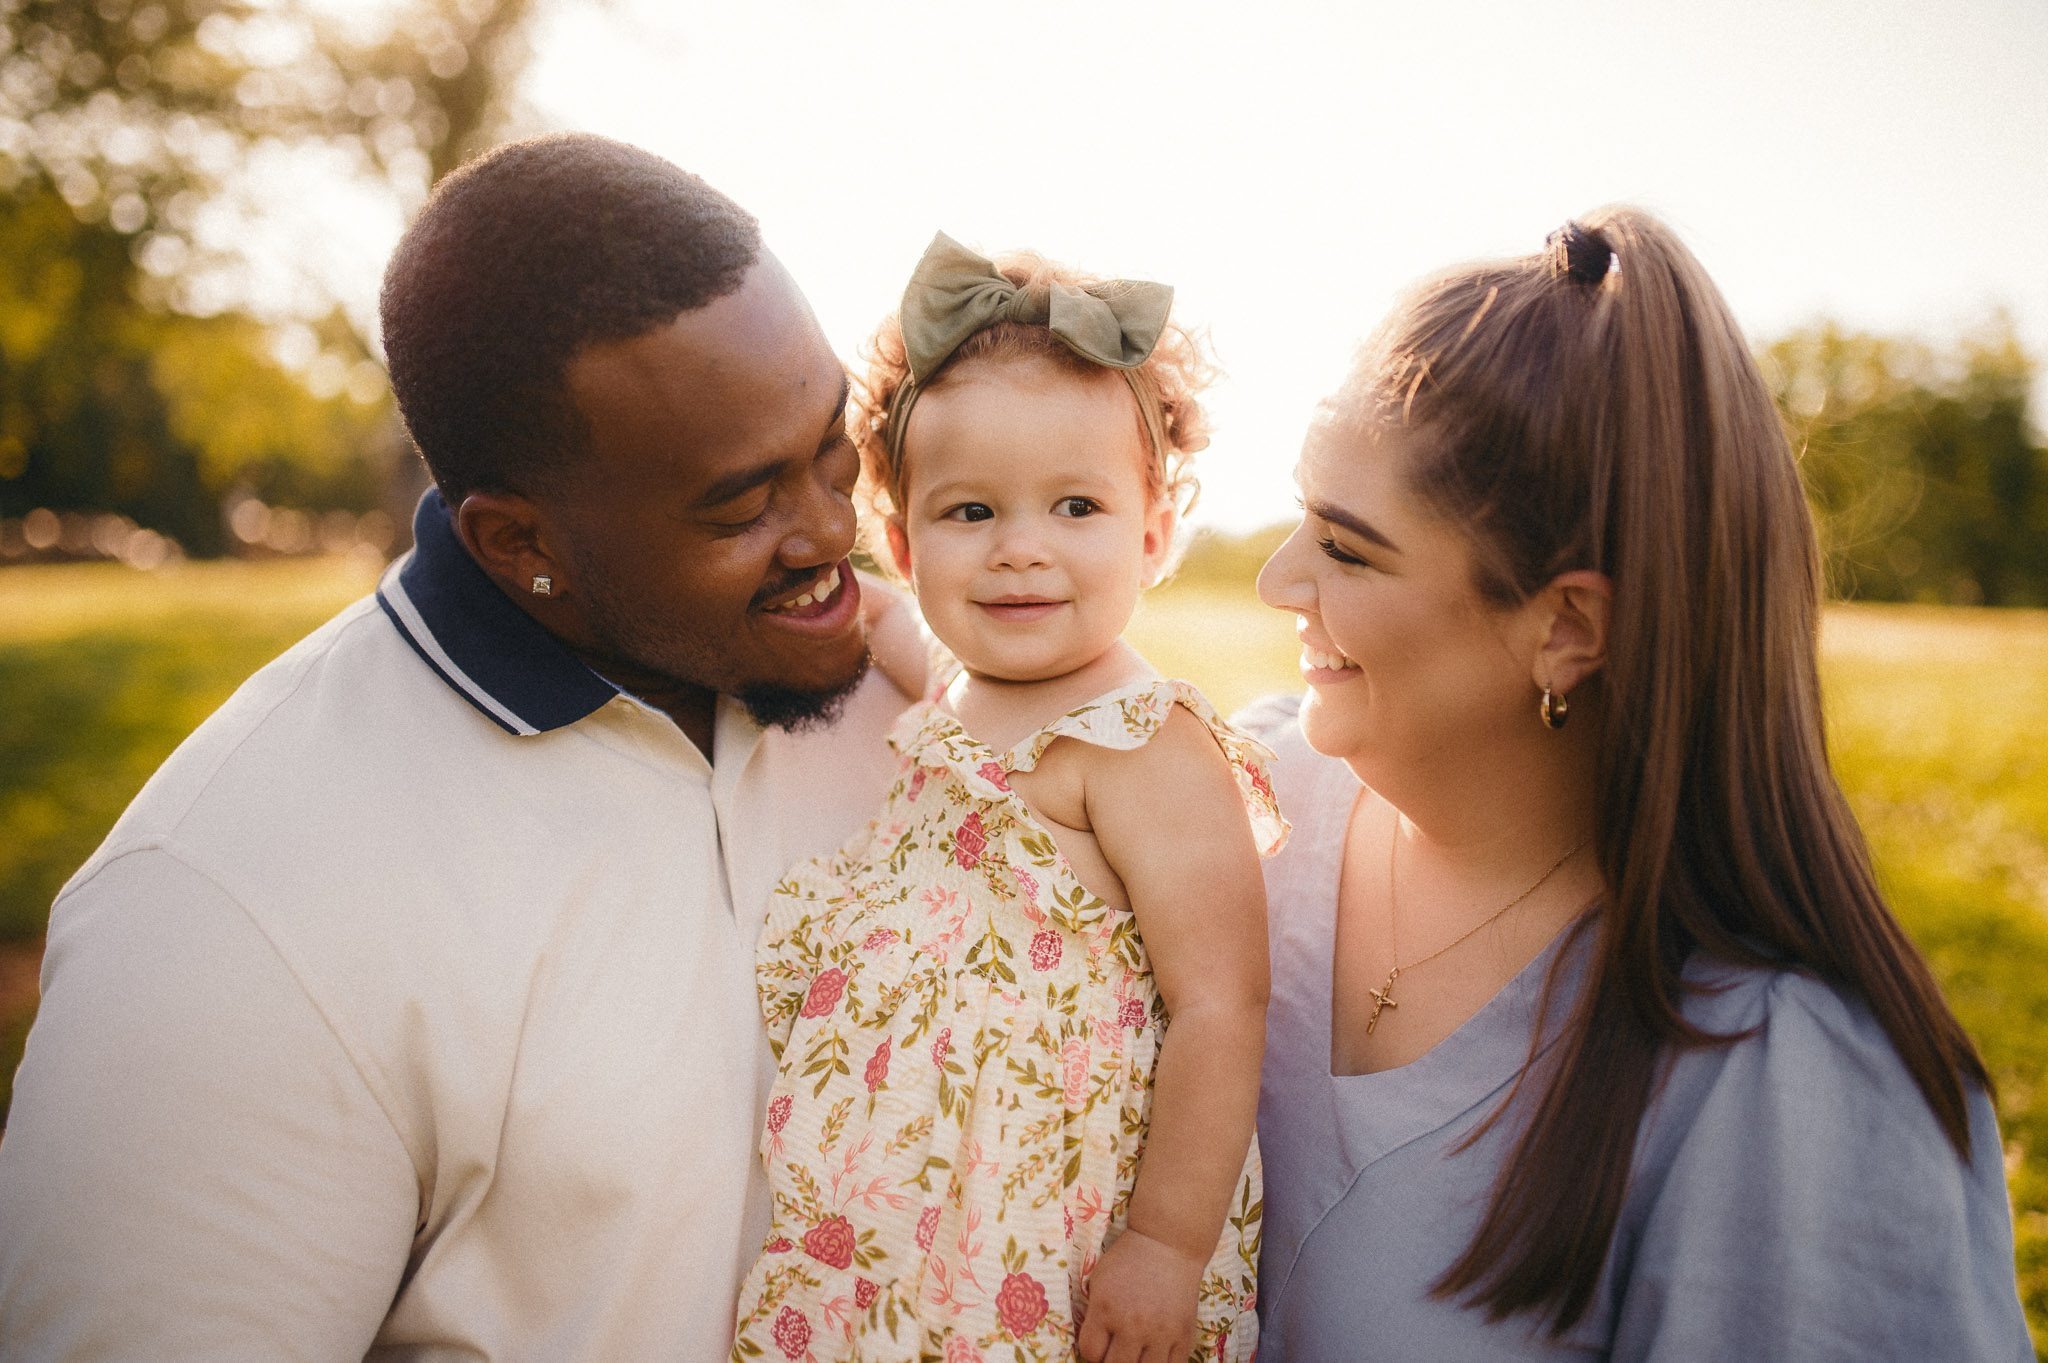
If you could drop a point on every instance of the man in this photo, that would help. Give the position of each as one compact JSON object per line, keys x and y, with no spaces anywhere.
{"x":409,"y":1010}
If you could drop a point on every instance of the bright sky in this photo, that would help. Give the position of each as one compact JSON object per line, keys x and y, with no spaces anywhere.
{"x":1289,"y":167}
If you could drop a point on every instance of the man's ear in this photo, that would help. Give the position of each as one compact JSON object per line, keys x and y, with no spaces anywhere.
{"x":503,"y":532}
{"x":1573,"y":646}
{"x":899,"y":545}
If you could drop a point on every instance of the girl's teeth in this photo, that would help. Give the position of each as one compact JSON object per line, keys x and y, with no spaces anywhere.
{"x":1328,"y":662}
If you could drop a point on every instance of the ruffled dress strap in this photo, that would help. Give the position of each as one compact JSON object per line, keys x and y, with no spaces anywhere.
{"x":1129,"y":716}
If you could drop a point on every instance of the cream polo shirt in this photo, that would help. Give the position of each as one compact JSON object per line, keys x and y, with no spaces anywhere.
{"x":408,"y":1013}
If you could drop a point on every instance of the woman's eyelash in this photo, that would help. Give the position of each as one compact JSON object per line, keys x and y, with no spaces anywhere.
{"x":1329,"y":546}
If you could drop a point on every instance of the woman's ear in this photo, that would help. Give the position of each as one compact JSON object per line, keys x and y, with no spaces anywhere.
{"x":899,"y":545}
{"x":503,"y":532}
{"x":1575,"y":608}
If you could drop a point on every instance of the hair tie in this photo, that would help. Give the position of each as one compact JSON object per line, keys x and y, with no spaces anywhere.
{"x":1581,"y":252}
{"x":955,"y":293}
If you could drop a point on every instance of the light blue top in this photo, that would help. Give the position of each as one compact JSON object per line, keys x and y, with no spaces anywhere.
{"x":1792,"y":1197}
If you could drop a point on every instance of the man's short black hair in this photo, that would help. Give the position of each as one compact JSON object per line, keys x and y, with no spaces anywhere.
{"x":519,"y":260}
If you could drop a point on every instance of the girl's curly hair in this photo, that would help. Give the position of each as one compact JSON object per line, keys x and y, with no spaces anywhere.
{"x":1176,"y":372}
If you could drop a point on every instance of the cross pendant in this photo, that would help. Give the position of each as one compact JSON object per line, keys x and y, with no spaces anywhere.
{"x":1382,"y":999}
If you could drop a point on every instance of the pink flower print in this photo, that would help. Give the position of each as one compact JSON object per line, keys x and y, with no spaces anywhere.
{"x":927,"y":1228}
{"x":1074,"y":1065}
{"x":1131,"y":1013}
{"x":961,"y":1349}
{"x":993,"y":773}
{"x":830,"y":1242}
{"x":824,"y":993}
{"x":969,"y":841}
{"x":1260,"y":782}
{"x":1025,"y":885}
{"x":778,"y":1113}
{"x":1067,"y":1213}
{"x":917,"y":779}
{"x":1045,"y":949}
{"x":1020,"y":1304}
{"x":792,"y":1333}
{"x":941,"y":1044}
{"x":878,"y":1070}
{"x":781,"y":1244}
{"x":864,"y":1293}
{"x":878,"y":939}
{"x":1222,"y":1341}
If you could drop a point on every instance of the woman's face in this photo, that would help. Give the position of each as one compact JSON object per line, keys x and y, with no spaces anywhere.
{"x":1406,"y":664}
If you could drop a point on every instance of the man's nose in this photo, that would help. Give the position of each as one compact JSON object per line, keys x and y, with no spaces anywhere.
{"x":824,"y":529}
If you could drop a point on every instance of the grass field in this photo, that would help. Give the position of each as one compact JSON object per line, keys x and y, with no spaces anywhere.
{"x":1937,"y":721}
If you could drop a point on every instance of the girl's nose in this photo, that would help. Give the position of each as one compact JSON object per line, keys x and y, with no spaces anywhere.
{"x":1019,"y":546}
{"x":1282,"y":585}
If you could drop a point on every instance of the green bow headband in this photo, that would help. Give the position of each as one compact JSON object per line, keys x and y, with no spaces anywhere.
{"x":955,"y":293}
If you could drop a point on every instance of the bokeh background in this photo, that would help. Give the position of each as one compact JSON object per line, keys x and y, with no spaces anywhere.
{"x":199,"y":459}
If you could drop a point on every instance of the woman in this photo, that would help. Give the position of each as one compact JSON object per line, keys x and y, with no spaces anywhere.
{"x":1592,"y":1036}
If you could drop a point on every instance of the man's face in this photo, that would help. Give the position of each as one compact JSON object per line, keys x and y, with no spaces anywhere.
{"x":714,"y":495}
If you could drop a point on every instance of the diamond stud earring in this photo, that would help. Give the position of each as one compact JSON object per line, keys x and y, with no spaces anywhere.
{"x":543,"y":585}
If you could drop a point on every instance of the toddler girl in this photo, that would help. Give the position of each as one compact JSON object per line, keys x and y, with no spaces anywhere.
{"x":1019,"y":1019}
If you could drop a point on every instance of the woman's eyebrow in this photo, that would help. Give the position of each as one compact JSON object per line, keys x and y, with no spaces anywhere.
{"x":1337,"y":515}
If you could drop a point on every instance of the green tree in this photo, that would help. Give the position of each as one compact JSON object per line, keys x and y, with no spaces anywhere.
{"x":136,"y":371}
{"x":1923,"y":465}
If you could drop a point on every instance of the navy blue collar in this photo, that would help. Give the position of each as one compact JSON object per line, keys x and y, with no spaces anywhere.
{"x":495,"y":655}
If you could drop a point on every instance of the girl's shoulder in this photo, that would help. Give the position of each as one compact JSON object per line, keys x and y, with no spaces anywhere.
{"x":1165,"y":730}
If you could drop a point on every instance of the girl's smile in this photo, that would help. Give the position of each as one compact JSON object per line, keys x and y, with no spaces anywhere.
{"x":1028,"y":528}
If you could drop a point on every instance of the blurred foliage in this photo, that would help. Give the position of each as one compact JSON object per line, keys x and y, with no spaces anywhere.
{"x":138,"y":373}
{"x":110,"y":405}
{"x":1928,"y":480}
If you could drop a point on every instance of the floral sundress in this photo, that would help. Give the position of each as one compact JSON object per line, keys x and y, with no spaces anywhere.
{"x":966,"y":1038}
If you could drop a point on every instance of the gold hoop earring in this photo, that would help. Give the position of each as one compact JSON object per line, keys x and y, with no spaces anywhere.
{"x":1554,"y":710}
{"x":543,"y":585}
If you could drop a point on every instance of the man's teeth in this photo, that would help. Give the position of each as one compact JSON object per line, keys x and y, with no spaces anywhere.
{"x":822,"y":590}
{"x":1329,"y":662}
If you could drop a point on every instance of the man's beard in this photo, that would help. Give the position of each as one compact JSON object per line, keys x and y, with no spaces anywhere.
{"x":777,"y":707}
{"x":664,"y":654}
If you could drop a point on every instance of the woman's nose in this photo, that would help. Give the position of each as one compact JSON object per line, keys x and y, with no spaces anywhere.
{"x":1282,"y":585}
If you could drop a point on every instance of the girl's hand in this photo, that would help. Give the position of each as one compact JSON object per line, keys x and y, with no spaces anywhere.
{"x":893,"y":638}
{"x":1141,"y":1303}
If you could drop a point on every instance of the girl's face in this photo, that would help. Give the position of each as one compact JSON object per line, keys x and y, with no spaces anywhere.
{"x":1407,"y":666}
{"x":1027,"y":531}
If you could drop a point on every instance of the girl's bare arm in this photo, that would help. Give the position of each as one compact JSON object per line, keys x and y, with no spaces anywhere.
{"x":1169,"y":819}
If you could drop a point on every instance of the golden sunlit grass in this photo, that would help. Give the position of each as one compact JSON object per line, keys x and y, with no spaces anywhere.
{"x":1936,"y":722}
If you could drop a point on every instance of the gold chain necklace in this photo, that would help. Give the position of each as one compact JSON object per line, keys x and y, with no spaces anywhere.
{"x":1383,"y":997}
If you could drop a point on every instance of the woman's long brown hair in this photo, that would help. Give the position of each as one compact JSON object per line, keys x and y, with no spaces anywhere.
{"x":1595,"y":406}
